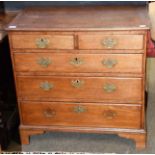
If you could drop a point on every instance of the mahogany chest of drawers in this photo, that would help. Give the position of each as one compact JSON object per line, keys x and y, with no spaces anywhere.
{"x":81,"y":69}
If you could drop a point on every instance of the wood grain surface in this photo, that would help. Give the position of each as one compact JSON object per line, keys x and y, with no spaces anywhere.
{"x":78,"y":63}
{"x":54,"y":41}
{"x":93,"y":115}
{"x":81,"y":18}
{"x":95,"y":41}
{"x":91,"y":89}
{"x":81,"y":69}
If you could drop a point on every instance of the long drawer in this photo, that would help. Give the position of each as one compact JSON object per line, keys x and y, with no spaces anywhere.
{"x":34,"y":41}
{"x":79,"y":63}
{"x":79,"y":88}
{"x":77,"y":114}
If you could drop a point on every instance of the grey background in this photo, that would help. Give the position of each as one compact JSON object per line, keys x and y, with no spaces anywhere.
{"x":16,"y":5}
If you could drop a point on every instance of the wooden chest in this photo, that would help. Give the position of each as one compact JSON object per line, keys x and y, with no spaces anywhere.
{"x":81,"y":69}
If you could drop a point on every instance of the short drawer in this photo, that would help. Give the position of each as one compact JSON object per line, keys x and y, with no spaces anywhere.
{"x":78,"y":63}
{"x":42,"y":41}
{"x":99,"y":41}
{"x":80,"y":88}
{"x":77,"y":114}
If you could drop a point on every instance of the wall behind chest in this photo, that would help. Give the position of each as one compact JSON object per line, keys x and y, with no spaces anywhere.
{"x":11,"y":6}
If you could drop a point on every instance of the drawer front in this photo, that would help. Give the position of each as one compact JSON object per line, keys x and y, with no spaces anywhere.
{"x":79,"y":88}
{"x":42,"y":41}
{"x":73,"y":114}
{"x":79,"y":63}
{"x":90,"y":41}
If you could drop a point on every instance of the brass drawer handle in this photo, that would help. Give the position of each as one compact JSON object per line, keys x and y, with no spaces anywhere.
{"x":49,"y":113}
{"x":76,"y":62}
{"x":44,"y":62}
{"x":109,"y":42}
{"x":46,"y":86}
{"x":109,"y":63}
{"x":42,"y":42}
{"x":79,"y":109}
{"x":109,"y":88}
{"x":77,"y":83}
{"x":110,"y":114}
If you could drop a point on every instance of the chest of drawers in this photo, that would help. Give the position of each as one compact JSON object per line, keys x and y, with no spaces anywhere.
{"x":81,"y":69}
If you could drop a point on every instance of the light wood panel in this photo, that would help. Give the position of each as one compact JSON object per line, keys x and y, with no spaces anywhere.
{"x":52,"y":41}
{"x":88,"y":88}
{"x":78,"y":114}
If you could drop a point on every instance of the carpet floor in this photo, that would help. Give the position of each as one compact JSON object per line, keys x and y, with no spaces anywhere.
{"x":99,"y":143}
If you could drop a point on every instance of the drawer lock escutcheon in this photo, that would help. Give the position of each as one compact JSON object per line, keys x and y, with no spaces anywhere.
{"x":42,"y":42}
{"x":77,"y":83}
{"x":49,"y":113}
{"x":46,"y":86}
{"x":76,"y":62}
{"x":110,"y":114}
{"x":109,"y":43}
{"x":109,"y":63}
{"x":79,"y":109}
{"x":44,"y":62}
{"x":109,"y":88}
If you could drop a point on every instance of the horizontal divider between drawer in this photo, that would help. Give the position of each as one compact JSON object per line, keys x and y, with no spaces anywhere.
{"x":67,"y":74}
{"x":75,"y":51}
{"x":112,"y":102}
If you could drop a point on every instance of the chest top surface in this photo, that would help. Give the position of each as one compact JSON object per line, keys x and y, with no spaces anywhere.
{"x":81,"y":18}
